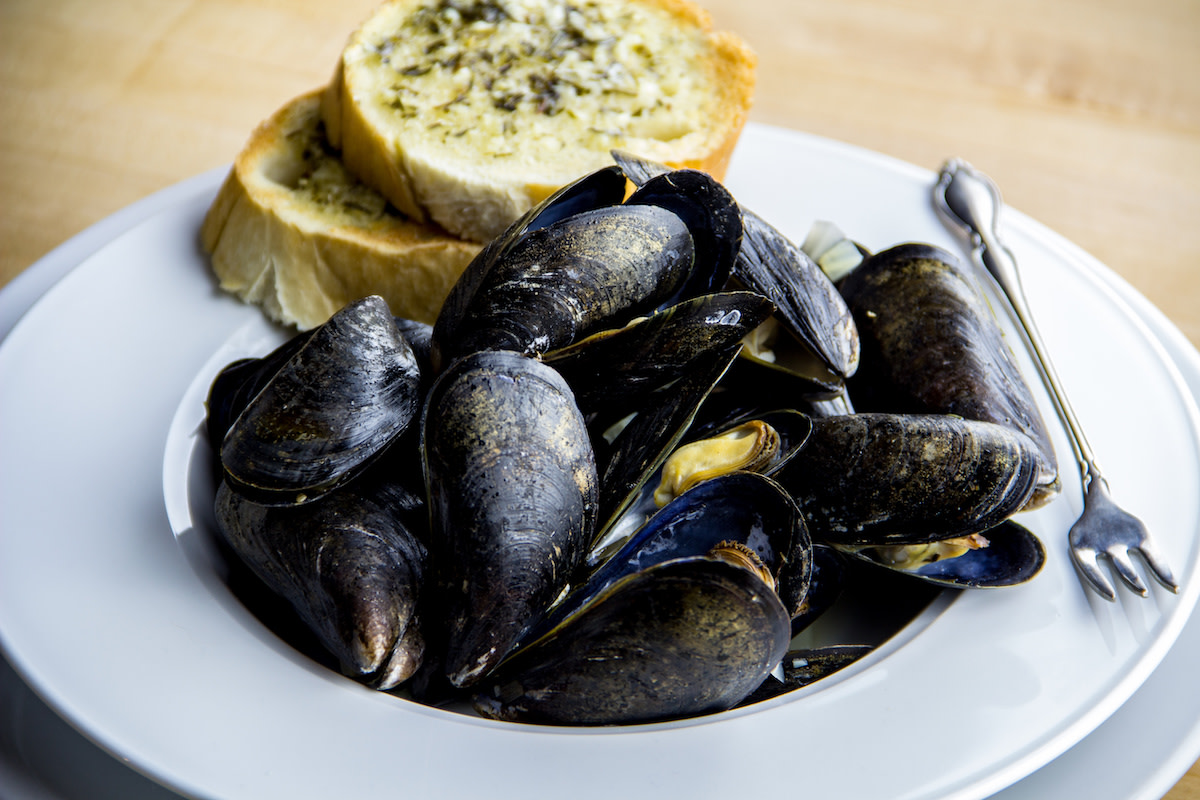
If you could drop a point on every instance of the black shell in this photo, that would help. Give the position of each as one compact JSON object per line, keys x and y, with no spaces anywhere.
{"x":710,"y":213}
{"x":745,"y":507}
{"x":769,"y":263}
{"x":666,"y":629}
{"x":512,"y":487}
{"x":349,"y":391}
{"x":931,"y":345}
{"x":613,"y":370}
{"x":684,"y":637}
{"x":601,"y":188}
{"x":237,"y":384}
{"x":808,"y":303}
{"x":1013,"y":556}
{"x":894,"y":478}
{"x":347,"y":565}
{"x":595,"y":269}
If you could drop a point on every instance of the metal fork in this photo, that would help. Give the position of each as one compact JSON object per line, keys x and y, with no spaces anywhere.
{"x":970,"y":202}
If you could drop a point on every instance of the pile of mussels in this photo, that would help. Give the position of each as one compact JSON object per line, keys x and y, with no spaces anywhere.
{"x":630,"y":460}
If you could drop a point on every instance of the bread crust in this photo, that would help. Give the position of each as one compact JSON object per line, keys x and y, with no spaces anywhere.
{"x":477,"y":198}
{"x":274,"y":245}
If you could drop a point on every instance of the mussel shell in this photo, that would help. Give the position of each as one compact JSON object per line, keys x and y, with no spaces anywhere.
{"x":239,"y":381}
{"x":614,"y":370}
{"x":1014,"y":555}
{"x":895,"y":478}
{"x":595,"y":269}
{"x":685,"y":637}
{"x":639,"y":503}
{"x":347,"y":393}
{"x":931,"y":345}
{"x":604,"y":187}
{"x":742,"y":507}
{"x":807,"y":302}
{"x":347,"y":565}
{"x":712,"y":216}
{"x":646,"y":441}
{"x":769,"y":263}
{"x":512,"y":490}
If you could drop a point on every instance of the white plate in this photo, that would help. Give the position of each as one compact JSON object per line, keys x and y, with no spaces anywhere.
{"x":1165,"y":712}
{"x":104,"y":616}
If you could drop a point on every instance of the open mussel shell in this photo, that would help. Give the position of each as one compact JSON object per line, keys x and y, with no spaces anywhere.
{"x":769,"y":263}
{"x":932,"y":345}
{"x":684,"y":637}
{"x":760,"y":443}
{"x":640,"y":447}
{"x":791,"y":429}
{"x":613,"y":370}
{"x":741,"y":507}
{"x":808,"y":303}
{"x":877,"y":479}
{"x":1013,"y":555}
{"x":341,"y":399}
{"x":711,"y":215}
{"x":348,"y":567}
{"x":562,"y":276}
{"x":512,"y":489}
{"x":725,"y":564}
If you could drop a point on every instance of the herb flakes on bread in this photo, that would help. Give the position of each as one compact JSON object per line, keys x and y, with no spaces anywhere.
{"x":468,"y":112}
{"x":292,"y":231}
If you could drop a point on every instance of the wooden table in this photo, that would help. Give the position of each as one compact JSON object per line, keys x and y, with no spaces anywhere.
{"x":1087,"y":112}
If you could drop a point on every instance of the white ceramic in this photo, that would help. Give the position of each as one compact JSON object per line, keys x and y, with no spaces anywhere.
{"x":107,"y":617}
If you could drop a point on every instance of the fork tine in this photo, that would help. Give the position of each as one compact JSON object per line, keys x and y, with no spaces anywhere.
{"x":1158,"y":566}
{"x":1085,"y":559}
{"x":1124,"y":566}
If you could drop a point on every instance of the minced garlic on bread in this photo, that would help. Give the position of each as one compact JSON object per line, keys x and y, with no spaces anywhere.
{"x":292,"y":231}
{"x":468,"y":112}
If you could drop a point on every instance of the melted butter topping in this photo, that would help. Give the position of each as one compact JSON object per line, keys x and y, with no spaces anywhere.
{"x":317,"y":177}
{"x":596,"y":68}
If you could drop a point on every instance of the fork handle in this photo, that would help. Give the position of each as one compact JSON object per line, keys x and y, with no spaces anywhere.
{"x":1000,"y":264}
{"x":972,"y":201}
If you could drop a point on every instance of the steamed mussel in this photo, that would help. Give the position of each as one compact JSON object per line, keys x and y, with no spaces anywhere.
{"x":512,"y":487}
{"x":296,"y":433}
{"x":704,"y":581}
{"x":570,"y":501}
{"x":931,"y":344}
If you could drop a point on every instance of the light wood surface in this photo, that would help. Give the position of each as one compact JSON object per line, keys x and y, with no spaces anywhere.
{"x":1087,"y":112}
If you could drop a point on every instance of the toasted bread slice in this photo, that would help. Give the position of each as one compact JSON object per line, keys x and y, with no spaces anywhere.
{"x":468,"y":112}
{"x":292,"y":231}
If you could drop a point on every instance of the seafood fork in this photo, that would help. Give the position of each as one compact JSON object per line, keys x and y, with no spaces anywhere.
{"x":969,"y":201}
